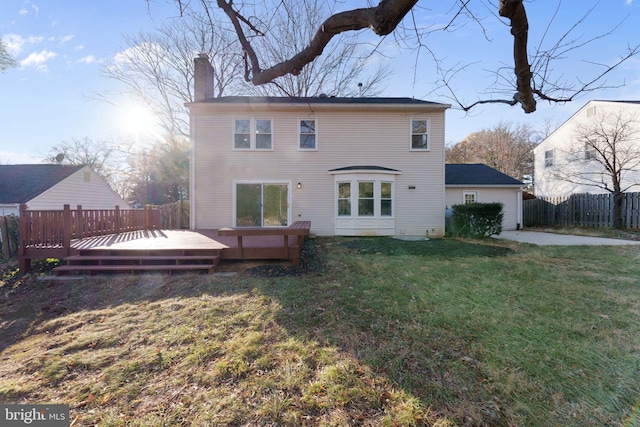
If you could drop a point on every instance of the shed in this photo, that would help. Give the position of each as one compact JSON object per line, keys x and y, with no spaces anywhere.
{"x":468,"y":183}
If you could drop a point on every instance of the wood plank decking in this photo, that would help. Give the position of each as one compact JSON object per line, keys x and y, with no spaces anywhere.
{"x":181,"y":250}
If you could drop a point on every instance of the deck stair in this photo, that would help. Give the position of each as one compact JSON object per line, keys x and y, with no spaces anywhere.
{"x":101,"y":261}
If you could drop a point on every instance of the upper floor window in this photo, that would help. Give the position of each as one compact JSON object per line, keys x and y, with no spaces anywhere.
{"x":590,"y":152}
{"x":253,"y":134}
{"x":548,"y":158}
{"x":419,"y":134}
{"x":308,"y":134}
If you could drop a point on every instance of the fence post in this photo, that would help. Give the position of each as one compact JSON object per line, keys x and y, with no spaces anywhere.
{"x":67,"y":228}
{"x":117,"y":221}
{"x":24,"y":264}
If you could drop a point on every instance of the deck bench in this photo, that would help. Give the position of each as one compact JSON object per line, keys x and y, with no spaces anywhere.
{"x":290,"y":249}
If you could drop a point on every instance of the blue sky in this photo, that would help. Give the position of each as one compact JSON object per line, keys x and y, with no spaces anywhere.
{"x":59,"y":45}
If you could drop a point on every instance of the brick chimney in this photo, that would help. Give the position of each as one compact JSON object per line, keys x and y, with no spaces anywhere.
{"x":202,"y":78}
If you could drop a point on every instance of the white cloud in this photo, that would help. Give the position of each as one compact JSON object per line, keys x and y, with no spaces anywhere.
{"x":23,"y":12}
{"x":65,"y":39}
{"x":80,"y":47}
{"x":38,"y":60}
{"x":628,"y":2}
{"x":89,"y":59}
{"x":35,"y":8}
{"x":14,"y":42}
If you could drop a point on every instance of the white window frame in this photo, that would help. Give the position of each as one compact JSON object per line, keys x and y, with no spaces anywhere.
{"x":549,"y":160}
{"x":427,"y":133}
{"x":315,"y":148}
{"x":474,"y":194}
{"x":252,"y":133}
{"x":354,"y":198}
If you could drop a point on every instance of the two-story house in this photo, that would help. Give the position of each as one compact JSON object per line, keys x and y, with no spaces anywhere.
{"x":571,"y":159}
{"x":351,"y":166}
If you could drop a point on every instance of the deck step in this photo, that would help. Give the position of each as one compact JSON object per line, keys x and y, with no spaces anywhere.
{"x":94,"y":262}
{"x":75,"y":258}
{"x":131,"y":268}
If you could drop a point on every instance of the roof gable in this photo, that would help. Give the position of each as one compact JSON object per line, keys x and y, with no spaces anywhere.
{"x":21,"y":183}
{"x":476,"y":174}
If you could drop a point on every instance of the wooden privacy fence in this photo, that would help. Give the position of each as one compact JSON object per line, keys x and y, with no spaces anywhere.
{"x":48,"y":233}
{"x":8,"y":236}
{"x":583,"y":210}
{"x":174,"y":216}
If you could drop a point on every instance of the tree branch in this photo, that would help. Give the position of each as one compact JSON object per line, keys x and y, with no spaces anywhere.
{"x":381,"y":19}
{"x":515,"y":12}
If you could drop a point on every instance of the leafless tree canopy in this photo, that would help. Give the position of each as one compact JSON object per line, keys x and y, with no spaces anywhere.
{"x":529,"y":78}
{"x":506,"y":147}
{"x":6,"y":61}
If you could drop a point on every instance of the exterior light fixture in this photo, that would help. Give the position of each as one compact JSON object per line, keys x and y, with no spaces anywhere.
{"x":299,"y":185}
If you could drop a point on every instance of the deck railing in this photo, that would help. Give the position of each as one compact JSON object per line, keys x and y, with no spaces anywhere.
{"x":48,"y":233}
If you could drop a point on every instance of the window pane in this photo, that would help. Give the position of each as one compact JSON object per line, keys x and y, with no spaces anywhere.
{"x":242,"y":140}
{"x":243,"y":126}
{"x":344,"y":190}
{"x":365,"y":189}
{"x":418,"y":126}
{"x":307,"y":126}
{"x":385,"y":207}
{"x":263,"y":141}
{"x":344,"y":207}
{"x":365,"y":207}
{"x":419,"y":141}
{"x":275,"y":205}
{"x":307,"y":141}
{"x":385,"y":190}
{"x":344,"y":199}
{"x":248,"y":205}
{"x":263,"y":126}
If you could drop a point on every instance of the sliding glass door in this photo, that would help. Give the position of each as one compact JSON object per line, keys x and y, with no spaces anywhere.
{"x":261,"y":204}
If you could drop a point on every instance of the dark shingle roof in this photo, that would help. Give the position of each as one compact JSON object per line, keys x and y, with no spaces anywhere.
{"x":319,"y":100}
{"x":21,"y":183}
{"x":476,"y":174}
{"x":368,"y":168}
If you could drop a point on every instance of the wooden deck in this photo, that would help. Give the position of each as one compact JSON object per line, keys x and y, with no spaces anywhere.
{"x":179,"y":250}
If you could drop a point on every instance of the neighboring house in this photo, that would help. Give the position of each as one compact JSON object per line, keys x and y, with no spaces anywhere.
{"x":351,"y":166}
{"x":564,"y":165}
{"x":50,"y":187}
{"x":468,"y":183}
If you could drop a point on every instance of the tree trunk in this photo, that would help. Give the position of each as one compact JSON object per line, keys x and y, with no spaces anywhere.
{"x":618,"y":198}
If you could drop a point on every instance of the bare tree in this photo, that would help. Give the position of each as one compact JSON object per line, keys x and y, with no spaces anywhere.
{"x":344,"y":70}
{"x":6,"y":61}
{"x":529,"y":79}
{"x":505,"y":147}
{"x":107,"y":158}
{"x":157,"y":68}
{"x":605,"y":155}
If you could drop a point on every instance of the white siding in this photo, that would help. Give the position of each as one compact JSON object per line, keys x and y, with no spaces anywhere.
{"x":511,"y":198}
{"x":84,"y":188}
{"x":354,"y":138}
{"x":547,"y":183}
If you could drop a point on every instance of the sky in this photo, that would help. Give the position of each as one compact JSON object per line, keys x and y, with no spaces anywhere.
{"x":51,"y":95}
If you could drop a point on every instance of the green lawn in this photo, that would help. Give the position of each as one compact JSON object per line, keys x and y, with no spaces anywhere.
{"x":374,"y":331}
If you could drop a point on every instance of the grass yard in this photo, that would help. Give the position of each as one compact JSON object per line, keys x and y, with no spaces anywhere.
{"x":375,"y":331}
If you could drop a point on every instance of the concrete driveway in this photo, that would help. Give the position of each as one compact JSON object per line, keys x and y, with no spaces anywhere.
{"x":552,"y":239}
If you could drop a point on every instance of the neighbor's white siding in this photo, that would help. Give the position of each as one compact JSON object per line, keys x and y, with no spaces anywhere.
{"x":563,"y":143}
{"x":84,"y":188}
{"x":344,"y":138}
{"x":510,"y":197}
